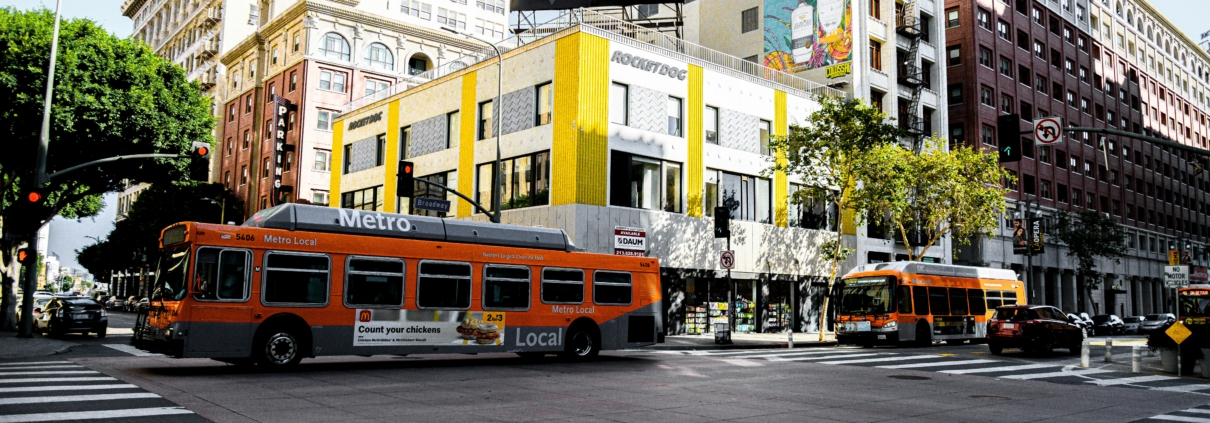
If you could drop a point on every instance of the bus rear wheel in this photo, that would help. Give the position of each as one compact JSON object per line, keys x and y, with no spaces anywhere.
{"x":279,"y":348}
{"x":582,"y":344}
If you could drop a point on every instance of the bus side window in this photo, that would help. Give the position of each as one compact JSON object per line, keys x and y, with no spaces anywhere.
{"x":505,"y":287}
{"x":442,"y":284}
{"x":958,"y":302}
{"x":205,"y":273}
{"x":562,"y":286}
{"x":978,"y":306}
{"x":1010,"y":297}
{"x":611,"y":288}
{"x":296,"y":278}
{"x":374,"y":281}
{"x":904,"y":294}
{"x":221,"y":275}
{"x":994,"y":300}
{"x":920,"y":298}
{"x":939,"y":302}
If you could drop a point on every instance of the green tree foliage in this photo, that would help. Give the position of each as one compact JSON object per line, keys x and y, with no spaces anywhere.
{"x":134,"y":241}
{"x":828,"y":153}
{"x":1089,"y":235}
{"x":938,"y":191}
{"x":112,"y":97}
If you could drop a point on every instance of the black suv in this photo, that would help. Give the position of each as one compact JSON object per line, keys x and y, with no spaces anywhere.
{"x":1033,"y":328}
{"x":73,"y":314}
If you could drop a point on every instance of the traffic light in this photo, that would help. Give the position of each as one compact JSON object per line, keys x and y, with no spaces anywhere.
{"x":722,"y":222}
{"x":1008,"y":130}
{"x":26,"y":256}
{"x":405,"y":181}
{"x":33,"y":196}
{"x":199,"y":162}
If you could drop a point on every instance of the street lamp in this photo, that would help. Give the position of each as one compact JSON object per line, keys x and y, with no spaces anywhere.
{"x":495,"y":216}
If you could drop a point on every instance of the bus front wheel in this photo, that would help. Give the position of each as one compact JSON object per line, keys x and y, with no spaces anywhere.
{"x":279,"y":348}
{"x":582,"y":344}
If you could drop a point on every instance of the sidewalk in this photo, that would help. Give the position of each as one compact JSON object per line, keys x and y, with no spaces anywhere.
{"x":12,"y":347}
{"x":741,"y":341}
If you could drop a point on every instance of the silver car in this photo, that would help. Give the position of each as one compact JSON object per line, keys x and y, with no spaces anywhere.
{"x":1156,"y":322}
{"x":1133,"y":323}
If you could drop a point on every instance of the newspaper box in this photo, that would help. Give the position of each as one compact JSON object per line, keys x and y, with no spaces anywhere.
{"x":722,"y":333}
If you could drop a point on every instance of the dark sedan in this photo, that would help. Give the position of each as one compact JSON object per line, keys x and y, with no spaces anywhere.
{"x":73,"y":314}
{"x":1033,"y":328}
{"x":1108,"y":324}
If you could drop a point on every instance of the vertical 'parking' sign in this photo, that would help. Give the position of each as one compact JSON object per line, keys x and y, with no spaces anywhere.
{"x":281,"y":108}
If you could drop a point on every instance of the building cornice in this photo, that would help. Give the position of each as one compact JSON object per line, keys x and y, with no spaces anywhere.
{"x":1178,"y":33}
{"x":131,"y":7}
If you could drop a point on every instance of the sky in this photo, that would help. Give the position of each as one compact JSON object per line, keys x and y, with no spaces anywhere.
{"x":69,"y":235}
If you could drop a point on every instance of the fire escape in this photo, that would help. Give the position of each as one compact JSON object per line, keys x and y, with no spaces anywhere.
{"x":911,"y":74}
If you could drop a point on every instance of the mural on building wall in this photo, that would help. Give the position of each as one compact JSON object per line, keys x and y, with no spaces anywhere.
{"x":802,"y":35}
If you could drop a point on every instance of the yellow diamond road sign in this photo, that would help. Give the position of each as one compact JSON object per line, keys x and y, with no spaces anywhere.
{"x":1178,"y":332}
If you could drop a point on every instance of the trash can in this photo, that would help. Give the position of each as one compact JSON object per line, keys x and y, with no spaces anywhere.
{"x":1168,"y":360}
{"x":722,"y":333}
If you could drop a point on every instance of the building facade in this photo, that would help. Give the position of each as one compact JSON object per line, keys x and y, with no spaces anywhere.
{"x":321,"y":55}
{"x":613,"y":137}
{"x":1095,"y":63}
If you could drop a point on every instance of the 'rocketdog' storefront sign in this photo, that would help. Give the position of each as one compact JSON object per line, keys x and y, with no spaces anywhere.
{"x":648,"y":65}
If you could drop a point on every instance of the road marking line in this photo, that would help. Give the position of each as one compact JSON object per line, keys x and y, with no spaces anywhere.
{"x":96,"y":414}
{"x":1032,"y":376}
{"x":767,"y":351}
{"x":63,"y":366}
{"x":75,"y":398}
{"x":791,"y":354}
{"x":49,"y":372}
{"x":1180,"y":419}
{"x":56,"y":379}
{"x":1129,"y":380}
{"x":1196,"y":410}
{"x":2,"y":365}
{"x":742,"y":362}
{"x":937,"y":364}
{"x":1000,"y":369}
{"x":67,"y":388}
{"x":132,"y":350}
{"x":1182,"y":388}
{"x":875,"y":360}
{"x":826,"y":357}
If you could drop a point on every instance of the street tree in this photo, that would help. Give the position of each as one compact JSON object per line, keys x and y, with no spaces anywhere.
{"x":1089,"y":236}
{"x":112,"y":97}
{"x":939,"y":191}
{"x":827,"y":154}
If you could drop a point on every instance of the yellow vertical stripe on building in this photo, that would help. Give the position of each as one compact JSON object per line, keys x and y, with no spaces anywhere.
{"x":336,"y":167}
{"x":694,"y":185}
{"x":580,"y":145}
{"x":392,"y":164}
{"x":781,"y":185}
{"x":466,"y":143}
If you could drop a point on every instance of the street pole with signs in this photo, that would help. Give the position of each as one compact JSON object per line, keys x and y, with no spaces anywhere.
{"x":1177,"y":277}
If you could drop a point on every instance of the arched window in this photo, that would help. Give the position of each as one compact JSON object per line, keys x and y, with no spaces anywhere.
{"x":1130,"y":17}
{"x":335,"y":46}
{"x":379,"y":56}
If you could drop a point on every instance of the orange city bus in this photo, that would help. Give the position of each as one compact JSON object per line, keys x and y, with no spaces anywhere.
{"x":299,"y":281}
{"x":921,"y":302}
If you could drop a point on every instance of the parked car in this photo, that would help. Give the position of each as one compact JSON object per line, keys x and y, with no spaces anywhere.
{"x":1156,"y":322}
{"x":1033,"y":328}
{"x":143,"y":304}
{"x":73,"y":314}
{"x":115,"y":303}
{"x":1133,"y":323}
{"x":39,"y":303}
{"x":130,"y":303}
{"x":1108,"y":324}
{"x":1083,"y":321}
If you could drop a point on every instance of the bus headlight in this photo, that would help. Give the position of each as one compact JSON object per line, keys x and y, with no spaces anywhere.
{"x":891,"y":325}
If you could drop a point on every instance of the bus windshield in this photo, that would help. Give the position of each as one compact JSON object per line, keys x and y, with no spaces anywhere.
{"x":869,"y":295}
{"x":1195,"y":303}
{"x":171,"y":273}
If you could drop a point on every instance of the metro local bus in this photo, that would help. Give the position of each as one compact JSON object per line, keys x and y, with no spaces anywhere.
{"x":920,"y":302}
{"x":299,"y":281}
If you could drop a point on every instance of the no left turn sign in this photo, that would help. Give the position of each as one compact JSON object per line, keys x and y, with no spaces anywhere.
{"x":1048,"y":131}
{"x":727,"y":260}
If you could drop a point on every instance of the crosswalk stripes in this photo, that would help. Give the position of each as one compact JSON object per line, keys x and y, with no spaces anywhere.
{"x":1191,"y":415}
{"x":37,"y":391}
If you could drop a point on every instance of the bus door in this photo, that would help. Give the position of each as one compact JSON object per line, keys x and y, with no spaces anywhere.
{"x":220,"y":314}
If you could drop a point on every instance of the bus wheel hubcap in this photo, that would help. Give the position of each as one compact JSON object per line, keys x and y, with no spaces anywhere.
{"x":582,"y":343}
{"x":281,"y":348}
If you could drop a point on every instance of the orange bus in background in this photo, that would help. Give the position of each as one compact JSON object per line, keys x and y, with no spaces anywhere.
{"x":921,"y":302}
{"x":299,"y":281}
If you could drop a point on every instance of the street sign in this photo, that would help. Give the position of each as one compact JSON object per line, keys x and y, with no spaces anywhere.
{"x":1048,"y":131}
{"x":1178,"y":332}
{"x":1176,"y":276}
{"x":727,"y":260}
{"x":431,"y":204}
{"x":1174,"y":257}
{"x":629,"y":241}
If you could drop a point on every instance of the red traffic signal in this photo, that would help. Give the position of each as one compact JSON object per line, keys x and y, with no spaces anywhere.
{"x":25,"y":256}
{"x":34,"y":196}
{"x":200,"y":149}
{"x":405,"y":183}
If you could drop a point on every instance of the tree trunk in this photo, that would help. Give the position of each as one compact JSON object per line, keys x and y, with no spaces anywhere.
{"x":823,"y":311}
{"x":10,"y":273}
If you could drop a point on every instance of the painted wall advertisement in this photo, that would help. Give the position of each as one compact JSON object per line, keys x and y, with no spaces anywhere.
{"x":802,"y":35}
{"x":377,"y":328}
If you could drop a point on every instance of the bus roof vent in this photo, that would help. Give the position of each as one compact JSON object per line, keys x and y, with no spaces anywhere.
{"x":509,"y":235}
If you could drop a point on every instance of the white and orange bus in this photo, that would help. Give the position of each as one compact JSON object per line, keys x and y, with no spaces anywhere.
{"x":921,"y":302}
{"x":299,"y":281}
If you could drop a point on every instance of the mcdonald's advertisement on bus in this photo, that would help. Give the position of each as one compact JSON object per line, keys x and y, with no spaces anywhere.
{"x":376,"y":328}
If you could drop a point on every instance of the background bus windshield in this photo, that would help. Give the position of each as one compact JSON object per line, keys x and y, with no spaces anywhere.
{"x":170,"y":275}
{"x":870,"y":295}
{"x":1195,"y":305}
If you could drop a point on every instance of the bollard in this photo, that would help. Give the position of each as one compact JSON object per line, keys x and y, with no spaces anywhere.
{"x":790,"y":338}
{"x":1084,"y":353}
{"x":1136,"y":359}
{"x":1108,"y":350}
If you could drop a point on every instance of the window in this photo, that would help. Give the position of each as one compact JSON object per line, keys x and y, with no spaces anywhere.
{"x":1036,"y":14}
{"x":985,"y":57}
{"x":248,"y":104}
{"x":1006,"y":103}
{"x":373,"y":281}
{"x":222,"y":274}
{"x":954,"y":56}
{"x":710,"y":124}
{"x":335,"y":46}
{"x":297,"y":38}
{"x":1040,"y":83}
{"x":1002,"y":29}
{"x":766,"y":129}
{"x":920,"y":300}
{"x":562,"y":286}
{"x":525,"y":181}
{"x":748,"y":20}
{"x":983,"y":19}
{"x":247,"y":138}
{"x":264,"y":168}
{"x":955,"y":93}
{"x":985,"y":96}
{"x":486,"y":117}
{"x":1062,"y":193}
{"x":644,"y":183}
{"x":1083,"y":74}
{"x":379,"y":56}
{"x":1044,"y":189}
{"x":611,"y":288}
{"x":875,"y":55}
{"x":1039,"y":50}
{"x":1006,"y":67}
{"x":619,"y":99}
{"x":363,"y":199}
{"x":293,"y":81}
{"x":958,"y":301}
{"x":380,"y":153}
{"x":674,"y":116}
{"x":546,"y":103}
{"x":876,"y":9}
{"x":332,"y":81}
{"x":243,"y":179}
{"x":987,"y":135}
{"x":319,"y":198}
{"x":295,"y":279}
{"x":978,"y":304}
{"x":453,"y":123}
{"x":951,"y":18}
{"x":274,"y":56}
{"x":324,"y":119}
{"x":231,"y":113}
{"x":749,"y":197}
{"x":373,"y":87}
{"x":505,"y":287}
{"x":938,"y":302}
{"x":1023,"y":40}
{"x":451,"y":18}
{"x":445,"y":285}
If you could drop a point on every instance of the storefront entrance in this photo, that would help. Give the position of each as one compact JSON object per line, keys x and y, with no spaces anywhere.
{"x":761,"y":305}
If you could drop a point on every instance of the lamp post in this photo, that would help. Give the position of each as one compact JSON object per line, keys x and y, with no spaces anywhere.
{"x":495,"y":216}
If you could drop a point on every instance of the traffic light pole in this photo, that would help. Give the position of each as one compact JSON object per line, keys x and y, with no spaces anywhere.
{"x":459,"y":194}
